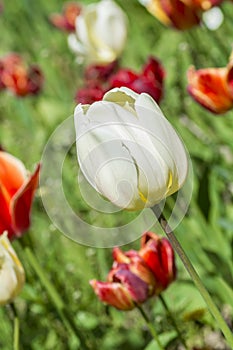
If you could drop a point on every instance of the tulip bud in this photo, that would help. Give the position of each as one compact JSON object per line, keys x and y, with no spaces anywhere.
{"x":128,"y":151}
{"x":12,"y":276}
{"x":17,"y":190}
{"x":159,"y":256}
{"x":101,"y":32}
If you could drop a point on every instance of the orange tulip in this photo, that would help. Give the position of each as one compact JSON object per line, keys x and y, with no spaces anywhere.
{"x":66,"y":20}
{"x":17,"y":190}
{"x":212,"y":88}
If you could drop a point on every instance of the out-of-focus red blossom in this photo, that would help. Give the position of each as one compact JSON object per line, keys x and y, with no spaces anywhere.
{"x":1,"y":7}
{"x":101,"y":78}
{"x":89,"y":94}
{"x":136,"y":276}
{"x":180,"y":14}
{"x":18,"y":78}
{"x":212,"y":87}
{"x":17,"y":190}
{"x":100,"y":72}
{"x":66,"y":20}
{"x":150,"y":80}
{"x":158,"y":254}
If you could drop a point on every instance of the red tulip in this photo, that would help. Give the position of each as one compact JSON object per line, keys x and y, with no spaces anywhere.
{"x":212,"y":88}
{"x":17,"y":190}
{"x":16,"y":77}
{"x":158,"y":254}
{"x":66,"y":20}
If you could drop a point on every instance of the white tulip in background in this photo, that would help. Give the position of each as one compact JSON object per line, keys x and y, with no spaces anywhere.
{"x":128,"y":151}
{"x":101,"y":32}
{"x":12,"y":276}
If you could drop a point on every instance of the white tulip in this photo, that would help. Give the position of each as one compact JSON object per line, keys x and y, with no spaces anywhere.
{"x":128,"y":151}
{"x":101,"y":32}
{"x":12,"y":276}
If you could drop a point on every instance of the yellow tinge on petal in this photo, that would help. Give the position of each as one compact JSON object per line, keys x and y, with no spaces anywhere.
{"x":154,"y":7}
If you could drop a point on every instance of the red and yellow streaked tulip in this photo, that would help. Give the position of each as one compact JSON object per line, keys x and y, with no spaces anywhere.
{"x":212,"y":87}
{"x":17,"y":190}
{"x":180,"y":14}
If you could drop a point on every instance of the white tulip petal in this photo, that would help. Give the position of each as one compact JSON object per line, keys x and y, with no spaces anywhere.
{"x":12,"y":275}
{"x":128,"y":151}
{"x":75,"y":45}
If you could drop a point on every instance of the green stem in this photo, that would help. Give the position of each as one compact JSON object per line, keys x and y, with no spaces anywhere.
{"x":16,"y":327}
{"x":194,"y":275}
{"x":151,"y":327}
{"x":55,"y":297}
{"x":180,"y":336}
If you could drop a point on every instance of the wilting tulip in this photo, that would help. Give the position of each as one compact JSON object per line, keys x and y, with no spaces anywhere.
{"x":158,"y":254}
{"x":137,"y":276}
{"x":123,"y":288}
{"x":180,"y":14}
{"x":19,"y":79}
{"x":17,"y":190}
{"x":101,"y":32}
{"x":66,"y":20}
{"x":128,"y":151}
{"x":12,"y":276}
{"x":212,"y":87}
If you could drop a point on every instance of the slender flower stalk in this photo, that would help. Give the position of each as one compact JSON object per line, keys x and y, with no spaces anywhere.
{"x":151,"y":327}
{"x":55,"y":297}
{"x":16,"y":327}
{"x":194,"y":275}
{"x":180,"y":336}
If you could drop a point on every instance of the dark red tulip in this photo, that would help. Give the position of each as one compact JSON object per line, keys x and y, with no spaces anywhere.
{"x":150,"y":80}
{"x":89,"y":94}
{"x":100,"y":72}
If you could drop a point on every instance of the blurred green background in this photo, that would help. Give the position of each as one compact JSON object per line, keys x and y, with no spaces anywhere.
{"x":205,"y":232}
